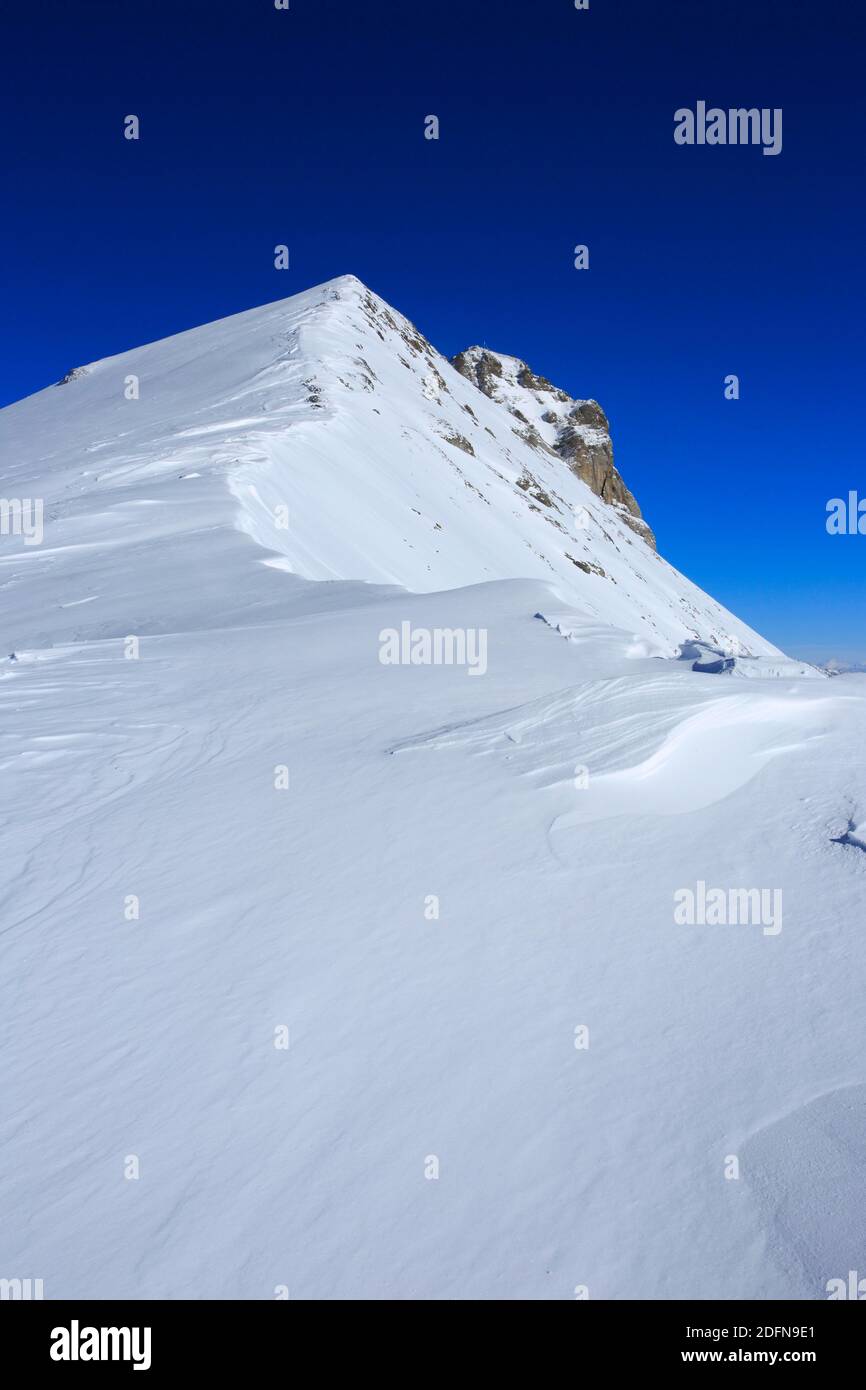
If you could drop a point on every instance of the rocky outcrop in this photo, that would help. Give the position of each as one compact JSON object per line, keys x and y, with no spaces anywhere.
{"x":577,"y":431}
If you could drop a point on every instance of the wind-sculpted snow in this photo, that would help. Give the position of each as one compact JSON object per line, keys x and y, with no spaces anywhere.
{"x":359,"y":978}
{"x":808,"y":1171}
{"x":705,"y":758}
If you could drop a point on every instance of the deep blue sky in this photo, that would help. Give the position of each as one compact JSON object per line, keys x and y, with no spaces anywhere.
{"x":306,"y":127}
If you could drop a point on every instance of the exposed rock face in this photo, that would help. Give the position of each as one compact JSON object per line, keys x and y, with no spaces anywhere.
{"x":578,"y":431}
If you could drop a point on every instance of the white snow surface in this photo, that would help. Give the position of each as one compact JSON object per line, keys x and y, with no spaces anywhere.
{"x":432,"y":1129}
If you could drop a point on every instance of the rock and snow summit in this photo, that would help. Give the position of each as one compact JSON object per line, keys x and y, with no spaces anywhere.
{"x":325,"y":435}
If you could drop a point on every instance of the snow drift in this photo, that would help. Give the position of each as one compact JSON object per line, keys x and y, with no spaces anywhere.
{"x":326,"y":976}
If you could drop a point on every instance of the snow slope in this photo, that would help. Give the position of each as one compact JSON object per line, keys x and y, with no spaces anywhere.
{"x":427,"y":884}
{"x":325,"y":429}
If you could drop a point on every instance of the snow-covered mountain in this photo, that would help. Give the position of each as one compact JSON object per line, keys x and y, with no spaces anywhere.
{"x":329,"y":432}
{"x":330,"y":973}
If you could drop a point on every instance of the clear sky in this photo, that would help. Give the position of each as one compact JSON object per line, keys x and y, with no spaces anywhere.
{"x":306,"y":127}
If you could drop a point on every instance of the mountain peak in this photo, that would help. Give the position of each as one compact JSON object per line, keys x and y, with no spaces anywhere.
{"x":323,"y":437}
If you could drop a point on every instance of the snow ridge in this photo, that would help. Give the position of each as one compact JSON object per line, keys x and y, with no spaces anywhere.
{"x":328,"y":431}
